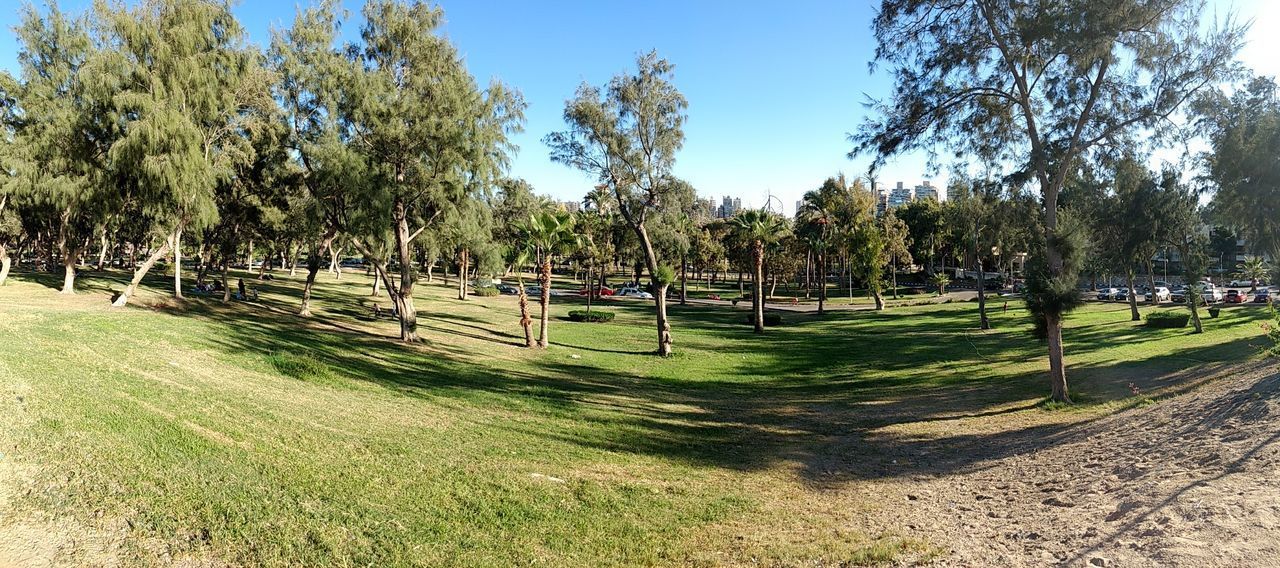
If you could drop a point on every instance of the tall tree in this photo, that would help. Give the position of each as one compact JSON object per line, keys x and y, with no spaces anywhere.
{"x":1243,"y":163}
{"x":188,"y":87}
{"x":549,"y":234}
{"x":626,"y":136}
{"x":430,"y":137}
{"x":1040,"y":84}
{"x":759,"y":228}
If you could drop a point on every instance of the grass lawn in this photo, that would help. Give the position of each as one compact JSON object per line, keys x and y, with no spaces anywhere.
{"x":242,"y":434}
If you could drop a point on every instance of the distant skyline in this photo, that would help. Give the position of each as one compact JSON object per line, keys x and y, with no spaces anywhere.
{"x":772,"y":90}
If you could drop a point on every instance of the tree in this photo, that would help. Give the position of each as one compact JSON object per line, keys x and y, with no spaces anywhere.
{"x":1255,"y":270}
{"x":187,"y":89}
{"x":626,"y":136}
{"x":429,"y":136}
{"x":549,"y":234}
{"x":1131,"y":223}
{"x":924,"y":220}
{"x":1244,"y":133}
{"x":1039,"y":85}
{"x":760,"y":228}
{"x":897,"y":245}
{"x":61,"y":132}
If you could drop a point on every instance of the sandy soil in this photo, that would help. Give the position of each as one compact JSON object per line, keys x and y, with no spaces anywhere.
{"x":1188,"y":481}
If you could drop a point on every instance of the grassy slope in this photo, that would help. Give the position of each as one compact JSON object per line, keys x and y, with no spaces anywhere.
{"x":244,"y":434}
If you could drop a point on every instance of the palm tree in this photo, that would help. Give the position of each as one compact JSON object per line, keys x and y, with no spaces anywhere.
{"x":1256,"y":270}
{"x":759,"y":227}
{"x":549,"y":234}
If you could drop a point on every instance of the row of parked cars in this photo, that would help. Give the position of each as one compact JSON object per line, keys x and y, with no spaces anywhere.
{"x":602,"y":291}
{"x":1209,"y":293}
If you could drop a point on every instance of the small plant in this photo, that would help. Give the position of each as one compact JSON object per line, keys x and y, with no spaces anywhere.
{"x":1135,"y":389}
{"x":593,"y":316}
{"x":770,"y":320}
{"x":940,"y":281}
{"x":1272,"y":329}
{"x":1213,"y":312}
{"x":1168,"y":319}
{"x":486,"y":291}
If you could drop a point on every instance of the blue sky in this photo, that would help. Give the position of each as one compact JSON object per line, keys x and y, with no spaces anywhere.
{"x":773,"y":88}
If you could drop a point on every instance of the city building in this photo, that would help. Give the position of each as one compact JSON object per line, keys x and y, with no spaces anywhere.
{"x":571,"y":206}
{"x":926,"y":190}
{"x":900,"y":195}
{"x":729,"y":206}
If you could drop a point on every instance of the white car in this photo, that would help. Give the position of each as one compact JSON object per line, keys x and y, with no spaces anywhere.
{"x":1107,"y":293}
{"x":1212,"y":294}
{"x":1162,"y":294}
{"x":634,"y":293}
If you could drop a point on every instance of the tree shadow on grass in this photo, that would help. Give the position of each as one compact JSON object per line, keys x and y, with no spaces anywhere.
{"x":812,"y":402}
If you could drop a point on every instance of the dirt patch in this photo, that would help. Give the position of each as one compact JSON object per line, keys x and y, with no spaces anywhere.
{"x":1189,"y":481}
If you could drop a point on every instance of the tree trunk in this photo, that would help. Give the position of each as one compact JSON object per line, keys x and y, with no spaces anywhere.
{"x":465,"y":259}
{"x":177,"y":263}
{"x":544,"y":278}
{"x":757,"y":287}
{"x":1057,"y":371}
{"x":102,"y":252}
{"x":377,"y":285}
{"x":879,"y":299}
{"x":821,"y":269}
{"x":226,"y":284}
{"x":248,"y":257}
{"x":138,"y":275}
{"x":526,"y":322}
{"x":5,"y":262}
{"x":808,"y":271}
{"x":68,"y":275}
{"x":1151,"y":280}
{"x":1133,"y":297}
{"x":408,"y":315}
{"x":591,"y":292}
{"x":313,"y":268}
{"x":1192,"y":296}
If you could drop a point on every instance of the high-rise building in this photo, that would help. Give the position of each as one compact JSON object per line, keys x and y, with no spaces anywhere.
{"x":901,"y":195}
{"x":926,"y":191}
{"x":571,"y":206}
{"x":729,"y":207}
{"x":799,"y":207}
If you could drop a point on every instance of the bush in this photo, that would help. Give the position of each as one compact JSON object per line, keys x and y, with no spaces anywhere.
{"x":1213,"y":312}
{"x":1168,"y":319}
{"x":594,"y":316}
{"x":486,"y":291}
{"x":770,"y":320}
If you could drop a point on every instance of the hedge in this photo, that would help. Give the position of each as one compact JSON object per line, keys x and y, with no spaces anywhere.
{"x":594,"y":316}
{"x":486,"y":291}
{"x":1168,"y":319}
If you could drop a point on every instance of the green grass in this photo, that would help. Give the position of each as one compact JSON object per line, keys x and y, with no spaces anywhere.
{"x":244,"y":434}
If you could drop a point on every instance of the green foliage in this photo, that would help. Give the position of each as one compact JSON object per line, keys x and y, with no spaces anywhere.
{"x":1168,"y":319}
{"x":1054,"y":293}
{"x":1272,"y":329}
{"x":665,"y":275}
{"x":593,"y":316}
{"x":940,"y":281}
{"x":486,"y":291}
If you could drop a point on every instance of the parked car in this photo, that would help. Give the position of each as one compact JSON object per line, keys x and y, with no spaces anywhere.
{"x":634,"y":293}
{"x":1161,"y":294}
{"x":1122,"y":295}
{"x":1108,"y":293}
{"x":1212,"y":294}
{"x":1234,"y":297}
{"x":508,"y":290}
{"x":600,"y":291}
{"x":1263,"y":296}
{"x":352,"y":263}
{"x":1178,"y":296}
{"x":533,"y":290}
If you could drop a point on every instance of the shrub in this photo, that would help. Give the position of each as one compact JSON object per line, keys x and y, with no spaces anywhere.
{"x":486,"y":291}
{"x":1168,"y":319}
{"x":1213,"y":312}
{"x":770,"y":320}
{"x":594,"y":316}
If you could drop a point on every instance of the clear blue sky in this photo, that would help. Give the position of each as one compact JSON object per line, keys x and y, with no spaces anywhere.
{"x":773,"y":88}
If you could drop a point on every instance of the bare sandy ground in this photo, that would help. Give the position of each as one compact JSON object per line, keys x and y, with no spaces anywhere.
{"x":1188,"y":481}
